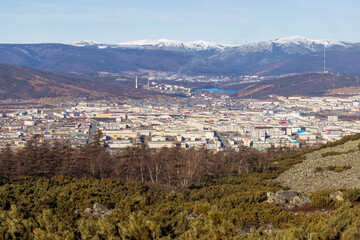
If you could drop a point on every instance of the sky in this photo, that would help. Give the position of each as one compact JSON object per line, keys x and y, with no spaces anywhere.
{"x":222,"y":21}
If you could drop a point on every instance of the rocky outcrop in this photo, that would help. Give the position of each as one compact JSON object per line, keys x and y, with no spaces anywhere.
{"x":288,"y":198}
{"x":99,"y":210}
{"x":314,"y":172}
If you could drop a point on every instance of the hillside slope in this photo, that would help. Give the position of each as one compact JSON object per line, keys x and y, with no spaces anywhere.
{"x":309,"y":84}
{"x":329,"y":168}
{"x":19,"y":82}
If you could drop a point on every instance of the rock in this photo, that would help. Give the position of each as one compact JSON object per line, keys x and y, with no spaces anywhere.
{"x":269,"y":196}
{"x":193,"y":215}
{"x":99,"y":210}
{"x":268,"y":228}
{"x":296,"y":200}
{"x":300,"y":199}
{"x":289,"y":199}
{"x":337,"y":195}
{"x":88,"y":210}
{"x":281,"y":197}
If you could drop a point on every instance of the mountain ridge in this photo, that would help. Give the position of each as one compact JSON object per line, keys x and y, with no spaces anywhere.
{"x":275,"y":57}
{"x":202,"y":45}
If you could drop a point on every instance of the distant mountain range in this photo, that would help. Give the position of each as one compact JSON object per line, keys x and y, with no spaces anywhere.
{"x":287,"y":44}
{"x":281,"y":56}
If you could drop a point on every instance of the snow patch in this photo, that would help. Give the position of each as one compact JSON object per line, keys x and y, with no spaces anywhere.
{"x":86,"y":43}
{"x":166,"y":43}
{"x":306,"y":41}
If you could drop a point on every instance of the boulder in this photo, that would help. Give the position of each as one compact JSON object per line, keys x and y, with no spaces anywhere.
{"x":288,"y":198}
{"x":99,"y":210}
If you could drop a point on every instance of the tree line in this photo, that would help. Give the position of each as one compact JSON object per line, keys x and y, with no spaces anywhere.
{"x":168,"y":166}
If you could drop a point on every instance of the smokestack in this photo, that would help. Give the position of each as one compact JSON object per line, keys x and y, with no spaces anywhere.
{"x":136,"y":82}
{"x":42,"y":136}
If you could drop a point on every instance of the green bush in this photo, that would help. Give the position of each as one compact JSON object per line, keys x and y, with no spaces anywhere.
{"x":332,"y":153}
{"x":338,"y":168}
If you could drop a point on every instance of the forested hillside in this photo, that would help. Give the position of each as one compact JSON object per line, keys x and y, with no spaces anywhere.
{"x":46,"y":190}
{"x":17,"y":82}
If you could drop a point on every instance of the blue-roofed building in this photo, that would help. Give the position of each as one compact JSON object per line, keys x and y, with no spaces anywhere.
{"x":302,"y":131}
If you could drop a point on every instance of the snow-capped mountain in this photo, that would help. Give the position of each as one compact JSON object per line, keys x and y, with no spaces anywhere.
{"x":165,"y":44}
{"x":306,"y":41}
{"x":290,"y":45}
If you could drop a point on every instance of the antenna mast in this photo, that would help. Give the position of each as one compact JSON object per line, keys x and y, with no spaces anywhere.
{"x":324,"y":58}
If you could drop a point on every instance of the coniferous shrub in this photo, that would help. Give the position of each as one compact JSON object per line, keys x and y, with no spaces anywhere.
{"x":321,"y":199}
{"x":352,"y":195}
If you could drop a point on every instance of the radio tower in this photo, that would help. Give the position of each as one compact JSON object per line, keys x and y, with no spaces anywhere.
{"x":325,"y":58}
{"x":148,"y":84}
{"x":135,"y":81}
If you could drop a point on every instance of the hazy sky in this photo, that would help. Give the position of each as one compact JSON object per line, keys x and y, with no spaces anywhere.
{"x":222,"y":21}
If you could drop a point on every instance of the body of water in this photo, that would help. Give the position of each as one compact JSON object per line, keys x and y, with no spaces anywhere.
{"x":217,"y":90}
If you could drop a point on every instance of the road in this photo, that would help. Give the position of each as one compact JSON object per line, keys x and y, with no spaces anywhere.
{"x":223,"y":141}
{"x":92,"y":131}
